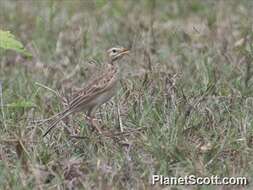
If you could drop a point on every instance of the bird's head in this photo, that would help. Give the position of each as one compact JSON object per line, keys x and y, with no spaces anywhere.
{"x":117,"y":53}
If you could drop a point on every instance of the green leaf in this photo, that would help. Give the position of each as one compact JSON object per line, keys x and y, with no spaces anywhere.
{"x":21,"y":104}
{"x":100,"y":3}
{"x":8,"y":42}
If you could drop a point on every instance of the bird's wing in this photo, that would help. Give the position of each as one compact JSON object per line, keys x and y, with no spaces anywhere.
{"x":96,"y":87}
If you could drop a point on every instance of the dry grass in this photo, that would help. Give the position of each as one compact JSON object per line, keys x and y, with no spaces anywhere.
{"x":188,"y":81}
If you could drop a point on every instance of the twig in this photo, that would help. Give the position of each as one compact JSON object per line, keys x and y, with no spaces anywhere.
{"x":46,"y":87}
{"x":119,"y":118}
{"x":9,"y":141}
{"x":78,"y":137}
{"x":2,"y":104}
{"x":113,"y":134}
{"x":128,"y":132}
{"x":41,"y":121}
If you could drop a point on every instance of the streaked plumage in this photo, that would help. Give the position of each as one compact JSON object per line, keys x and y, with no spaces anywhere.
{"x":97,"y":92}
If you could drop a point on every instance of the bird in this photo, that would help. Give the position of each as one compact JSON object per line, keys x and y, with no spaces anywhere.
{"x":97,"y":91}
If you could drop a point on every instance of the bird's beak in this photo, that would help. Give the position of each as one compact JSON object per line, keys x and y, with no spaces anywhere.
{"x":125,"y":51}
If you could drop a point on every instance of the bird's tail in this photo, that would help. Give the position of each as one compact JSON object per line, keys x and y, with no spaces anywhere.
{"x":48,"y":120}
{"x":55,"y":119}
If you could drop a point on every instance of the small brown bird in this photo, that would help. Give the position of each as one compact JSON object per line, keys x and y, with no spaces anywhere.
{"x":96,"y":93}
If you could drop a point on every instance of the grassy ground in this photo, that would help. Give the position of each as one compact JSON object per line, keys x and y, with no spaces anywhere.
{"x":188,"y":80}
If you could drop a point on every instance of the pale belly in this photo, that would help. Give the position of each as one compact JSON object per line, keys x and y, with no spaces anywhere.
{"x":101,"y":99}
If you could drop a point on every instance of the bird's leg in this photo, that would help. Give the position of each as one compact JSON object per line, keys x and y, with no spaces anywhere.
{"x":95,"y":125}
{"x":90,"y":117}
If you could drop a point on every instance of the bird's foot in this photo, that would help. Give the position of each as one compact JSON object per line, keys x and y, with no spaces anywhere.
{"x":93,"y":123}
{"x":92,"y":118}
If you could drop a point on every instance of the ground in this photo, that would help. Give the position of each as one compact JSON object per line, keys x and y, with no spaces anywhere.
{"x":187,"y":83}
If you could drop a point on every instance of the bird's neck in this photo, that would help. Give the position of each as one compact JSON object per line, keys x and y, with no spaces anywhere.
{"x":113,"y":61}
{"x":114,"y":65}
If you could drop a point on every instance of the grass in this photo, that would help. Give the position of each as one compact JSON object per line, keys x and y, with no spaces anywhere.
{"x":188,"y":80}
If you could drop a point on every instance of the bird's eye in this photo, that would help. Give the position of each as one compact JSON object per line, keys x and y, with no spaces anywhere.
{"x":114,"y":51}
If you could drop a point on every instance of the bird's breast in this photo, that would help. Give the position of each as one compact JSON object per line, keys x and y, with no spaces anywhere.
{"x":104,"y":97}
